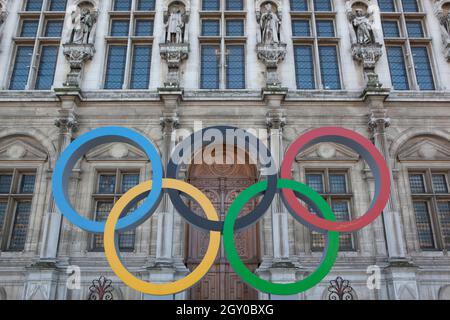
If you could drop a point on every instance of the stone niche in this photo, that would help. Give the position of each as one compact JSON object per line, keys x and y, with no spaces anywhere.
{"x":442,"y":12}
{"x":80,"y":45}
{"x":3,"y":15}
{"x":365,"y":39}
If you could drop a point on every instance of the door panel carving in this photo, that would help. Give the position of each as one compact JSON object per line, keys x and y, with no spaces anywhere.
{"x":222,"y":184}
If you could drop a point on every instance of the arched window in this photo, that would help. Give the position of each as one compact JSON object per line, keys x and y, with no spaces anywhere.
{"x":129,"y":44}
{"x":222,"y":43}
{"x":316,"y":44}
{"x":37,"y":44}
{"x":408,"y":44}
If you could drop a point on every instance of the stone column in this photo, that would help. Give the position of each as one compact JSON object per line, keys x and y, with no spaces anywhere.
{"x":400,"y":273}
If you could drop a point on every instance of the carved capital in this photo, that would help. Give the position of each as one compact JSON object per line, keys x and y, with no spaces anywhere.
{"x":275,"y":120}
{"x":169,"y":123}
{"x":68,"y":124}
{"x":378,"y":124}
{"x":77,"y":55}
{"x":367,"y":54}
{"x":174,"y":54}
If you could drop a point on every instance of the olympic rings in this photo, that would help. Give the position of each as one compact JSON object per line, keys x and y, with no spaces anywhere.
{"x":195,"y":143}
{"x":77,"y":149}
{"x":152,"y":192}
{"x":328,"y":259}
{"x":368,"y":152}
{"x":160,"y":288}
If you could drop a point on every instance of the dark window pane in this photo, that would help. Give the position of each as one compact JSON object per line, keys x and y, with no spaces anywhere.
{"x":341,"y":211}
{"x":416,"y":183}
{"x":210,"y":5}
{"x":410,"y":6}
{"x":301,"y":28}
{"x":397,"y":67}
{"x":120,"y":28}
{"x":47,"y":66}
{"x":5,"y":183}
{"x":3,"y":207}
{"x":29,"y":28}
{"x":209,"y":68}
{"x":115,"y":68}
{"x":235,"y":28}
{"x":20,"y":227}
{"x":338,"y":183}
{"x":325,"y":28}
{"x":440,"y":183}
{"x":315,"y":181}
{"x":423,"y":225}
{"x":386,"y":5}
{"x":144,"y":28}
{"x":415,"y":29}
{"x":444,"y":219}
{"x":322,"y":5}
{"x":299,"y":5}
{"x":102,"y":210}
{"x":304,"y":67}
{"x":140,"y":73}
{"x":129,"y":181}
{"x":236,"y":67}
{"x":210,"y":27}
{"x":22,"y":64}
{"x":236,"y":5}
{"x":34,"y":5}
{"x":58,"y":5}
{"x":54,"y":28}
{"x":122,"y":5}
{"x":329,"y":67}
{"x":27,"y":184}
{"x":146,"y":5}
{"x":422,"y":66}
{"x":107,"y":184}
{"x":390,"y":29}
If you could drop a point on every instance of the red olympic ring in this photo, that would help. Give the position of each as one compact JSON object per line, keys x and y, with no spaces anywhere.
{"x":369,"y":153}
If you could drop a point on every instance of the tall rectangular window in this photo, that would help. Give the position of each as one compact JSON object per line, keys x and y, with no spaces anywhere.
{"x":209,"y":67}
{"x":422,"y":67}
{"x":16,"y":195}
{"x":47,"y":67}
{"x":431,"y":204}
{"x":304,"y":67}
{"x":140,"y":73}
{"x":115,"y":70}
{"x":21,"y":69}
{"x":397,"y":67}
{"x":329,"y":67}
{"x":235,"y":67}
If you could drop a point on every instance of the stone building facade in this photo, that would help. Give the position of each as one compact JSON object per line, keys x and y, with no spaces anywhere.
{"x":380,"y":68}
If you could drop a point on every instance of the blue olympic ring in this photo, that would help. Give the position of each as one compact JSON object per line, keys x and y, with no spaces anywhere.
{"x":83,"y":144}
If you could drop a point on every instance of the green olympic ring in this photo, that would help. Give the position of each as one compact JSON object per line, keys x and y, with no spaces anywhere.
{"x":328,"y":258}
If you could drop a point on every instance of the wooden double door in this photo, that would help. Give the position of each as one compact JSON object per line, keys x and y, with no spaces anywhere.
{"x":221,"y":184}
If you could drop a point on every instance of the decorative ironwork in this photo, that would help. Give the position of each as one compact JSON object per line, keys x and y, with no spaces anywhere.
{"x":101,"y":289}
{"x":340,"y":289}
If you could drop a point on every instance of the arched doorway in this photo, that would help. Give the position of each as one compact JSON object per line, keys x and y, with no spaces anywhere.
{"x":222,"y":183}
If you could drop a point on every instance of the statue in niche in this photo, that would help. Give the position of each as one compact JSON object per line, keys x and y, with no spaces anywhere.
{"x":270,"y":25}
{"x":83,"y":23}
{"x":175,"y":23}
{"x":445,"y":22}
{"x":2,"y":15}
{"x":363,"y":27}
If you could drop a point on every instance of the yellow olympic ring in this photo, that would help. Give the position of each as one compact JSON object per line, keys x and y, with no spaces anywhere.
{"x":160,"y":288}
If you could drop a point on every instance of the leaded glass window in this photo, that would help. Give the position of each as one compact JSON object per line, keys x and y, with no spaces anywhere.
{"x":211,"y":28}
{"x":209,"y":67}
{"x":19,"y":77}
{"x":397,"y":67}
{"x":329,"y":67}
{"x":16,"y":195}
{"x":386,"y":5}
{"x":122,"y":5}
{"x":146,"y":5}
{"x":301,"y":28}
{"x":315,"y":181}
{"x":33,"y":5}
{"x":234,"y":5}
{"x":115,"y":70}
{"x":415,"y":29}
{"x":144,"y":28}
{"x":57,"y":5}
{"x":140,"y":73}
{"x":235,"y":67}
{"x":322,"y":5}
{"x":299,"y":5}
{"x":211,"y":5}
{"x":338,"y":183}
{"x":304,"y":67}
{"x":424,"y":75}
{"x":110,"y":187}
{"x":120,"y":28}
{"x":410,"y":6}
{"x":431,"y":204}
{"x":325,"y":28}
{"x":29,"y":28}
{"x":235,"y":28}
{"x":47,"y":67}
{"x":54,"y":28}
{"x":390,"y":29}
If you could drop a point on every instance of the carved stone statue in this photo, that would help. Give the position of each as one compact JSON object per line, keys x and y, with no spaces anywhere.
{"x":175,"y":26}
{"x":3,"y":14}
{"x":363,"y":28}
{"x":445,"y":22}
{"x":442,"y":12}
{"x":270,"y":25}
{"x":83,"y":24}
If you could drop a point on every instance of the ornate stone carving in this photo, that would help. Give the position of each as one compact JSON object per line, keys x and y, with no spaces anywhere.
{"x":175,"y":49}
{"x":77,"y":55}
{"x":3,"y":15}
{"x":366,"y":47}
{"x":84,"y":19}
{"x":442,"y":12}
{"x":67,"y":124}
{"x":271,"y":51}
